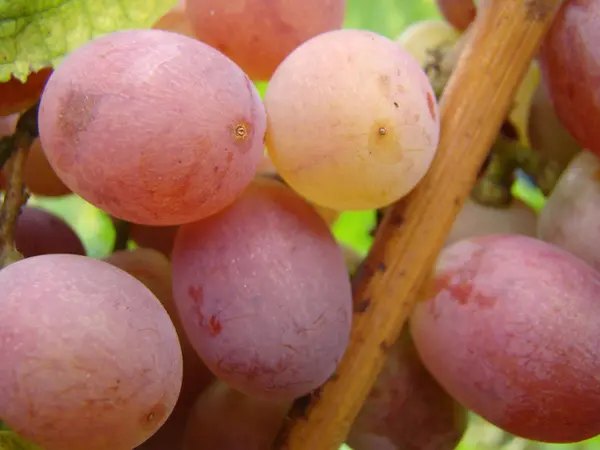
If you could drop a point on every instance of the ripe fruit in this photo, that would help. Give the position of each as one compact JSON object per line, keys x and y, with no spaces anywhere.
{"x":224,"y":419}
{"x":16,"y":97}
{"x":510,"y":329}
{"x":407,"y":408}
{"x":571,"y":216}
{"x":39,"y":176}
{"x":263,"y":293}
{"x":569,"y":67}
{"x":159,"y":137}
{"x":459,"y":13}
{"x":259,"y":34}
{"x":39,"y":232}
{"x":90,"y":359}
{"x":352,"y":120}
{"x":479,"y":220}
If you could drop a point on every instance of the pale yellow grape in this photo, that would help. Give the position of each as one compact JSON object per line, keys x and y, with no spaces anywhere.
{"x":421,"y":39}
{"x":352,"y":120}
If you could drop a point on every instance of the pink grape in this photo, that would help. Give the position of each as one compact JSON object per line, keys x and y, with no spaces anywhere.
{"x":569,"y":64}
{"x":90,"y":359}
{"x":459,"y":13}
{"x":176,"y":20}
{"x":352,"y":120}
{"x":39,"y":232}
{"x":263,"y":293}
{"x":224,"y":419}
{"x":475,"y":219}
{"x":510,"y":329}
{"x":571,"y":215}
{"x":259,"y":34}
{"x":406,"y":408}
{"x":153,"y":127}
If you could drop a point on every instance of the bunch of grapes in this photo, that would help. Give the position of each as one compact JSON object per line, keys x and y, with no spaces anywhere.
{"x":236,"y":300}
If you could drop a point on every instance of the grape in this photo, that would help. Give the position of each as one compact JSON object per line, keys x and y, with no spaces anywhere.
{"x":510,"y":329}
{"x":263,"y":293}
{"x":407,"y":408}
{"x":546,"y":132}
{"x":352,"y":120}
{"x":422,"y":39}
{"x":38,"y":232}
{"x":223,"y":419}
{"x":267,"y":169}
{"x":176,"y":20}
{"x":475,"y":219}
{"x":459,"y":13}
{"x":569,"y":66}
{"x":16,"y":96}
{"x":39,"y":176}
{"x":259,"y":34}
{"x":90,"y":359}
{"x":571,"y":216}
{"x":160,"y":239}
{"x":152,"y":127}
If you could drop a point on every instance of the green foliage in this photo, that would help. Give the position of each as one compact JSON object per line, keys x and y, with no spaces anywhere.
{"x":11,"y":441}
{"x":37,"y":34}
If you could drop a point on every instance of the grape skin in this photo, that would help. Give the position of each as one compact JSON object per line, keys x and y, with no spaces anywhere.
{"x":407,"y":408}
{"x":39,"y":232}
{"x":152,"y":127}
{"x":569,"y":63}
{"x":571,"y":215}
{"x":263,"y":293}
{"x":423,"y":38}
{"x":176,"y":20}
{"x":223,"y":419}
{"x":153,"y":269}
{"x":475,"y":219}
{"x":510,"y":329}
{"x":459,"y":13}
{"x":91,"y":360}
{"x":352,"y":120}
{"x":259,"y":34}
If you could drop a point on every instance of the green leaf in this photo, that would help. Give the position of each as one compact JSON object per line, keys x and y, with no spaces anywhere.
{"x":9,"y":440}
{"x":39,"y":33}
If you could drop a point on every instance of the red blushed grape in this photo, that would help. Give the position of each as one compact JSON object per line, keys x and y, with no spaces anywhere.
{"x":90,"y":359}
{"x":259,"y":34}
{"x":510,"y":330}
{"x":176,"y":20}
{"x":407,"y":408}
{"x":39,"y":176}
{"x":571,"y":215}
{"x":263,"y":293}
{"x":546,"y":133}
{"x":16,"y":96}
{"x":224,"y":419}
{"x":475,"y":219}
{"x":160,"y":239}
{"x":459,"y":13}
{"x":39,"y":232}
{"x":352,"y":120}
{"x":569,"y":62}
{"x":152,"y":127}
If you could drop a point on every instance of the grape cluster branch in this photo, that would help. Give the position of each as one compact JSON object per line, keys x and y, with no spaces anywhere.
{"x":14,"y":151}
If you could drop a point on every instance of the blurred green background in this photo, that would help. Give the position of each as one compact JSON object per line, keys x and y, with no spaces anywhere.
{"x":390,"y":18}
